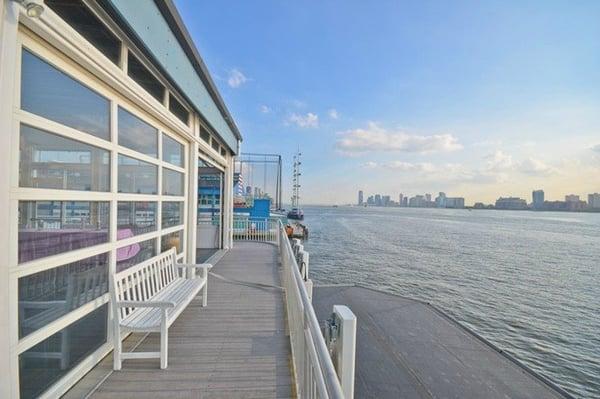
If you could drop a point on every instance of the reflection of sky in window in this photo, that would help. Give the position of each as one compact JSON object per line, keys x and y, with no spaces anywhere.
{"x":136,"y":134}
{"x":172,"y":151}
{"x":50,"y":93}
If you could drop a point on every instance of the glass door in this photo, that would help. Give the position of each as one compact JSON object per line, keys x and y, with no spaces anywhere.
{"x":209,"y":237}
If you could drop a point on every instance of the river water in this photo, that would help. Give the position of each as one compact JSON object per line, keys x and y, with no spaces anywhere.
{"x":527,"y":281}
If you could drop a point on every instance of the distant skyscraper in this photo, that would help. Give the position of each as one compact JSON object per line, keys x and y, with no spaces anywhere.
{"x":360,"y":198}
{"x":440,"y":201}
{"x":385,"y":200}
{"x":377,"y":200}
{"x":405,"y":201}
{"x":428,"y":197}
{"x":594,"y":201}
{"x":538,"y":199}
{"x":400,"y":197}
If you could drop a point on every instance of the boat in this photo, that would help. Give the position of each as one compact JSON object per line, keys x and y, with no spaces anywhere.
{"x":296,"y":212}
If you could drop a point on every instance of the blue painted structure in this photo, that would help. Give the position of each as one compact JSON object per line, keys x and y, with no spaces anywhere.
{"x":146,"y":20}
{"x":261,"y":210}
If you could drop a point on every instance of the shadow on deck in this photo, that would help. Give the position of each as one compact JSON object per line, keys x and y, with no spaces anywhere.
{"x":236,"y":347}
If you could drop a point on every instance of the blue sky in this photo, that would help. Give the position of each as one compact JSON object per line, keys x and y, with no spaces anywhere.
{"x":477,"y":99}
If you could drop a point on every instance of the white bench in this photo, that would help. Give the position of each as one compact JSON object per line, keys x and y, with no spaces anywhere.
{"x":148,"y":298}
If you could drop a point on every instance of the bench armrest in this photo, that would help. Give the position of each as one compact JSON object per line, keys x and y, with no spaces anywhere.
{"x":146,"y":304}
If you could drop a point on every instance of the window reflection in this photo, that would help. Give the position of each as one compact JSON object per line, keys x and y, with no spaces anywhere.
{"x":50,"y":93}
{"x":172,"y":214}
{"x":52,"y":227}
{"x":134,"y":218}
{"x":131,"y":255}
{"x":47,"y":362}
{"x":136,"y":176}
{"x":136,"y":134}
{"x":47,"y":160}
{"x":50,"y":294}
{"x":172,"y":151}
{"x":172,"y":182}
{"x":171,"y":240}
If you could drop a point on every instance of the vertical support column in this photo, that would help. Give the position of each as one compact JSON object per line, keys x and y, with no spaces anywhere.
{"x":9,"y":373}
{"x":192,"y":206}
{"x":227,"y":205}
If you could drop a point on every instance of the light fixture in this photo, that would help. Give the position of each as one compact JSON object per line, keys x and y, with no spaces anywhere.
{"x":34,"y":8}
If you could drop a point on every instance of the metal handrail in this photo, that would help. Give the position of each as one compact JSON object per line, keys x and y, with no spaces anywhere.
{"x":314,"y":371}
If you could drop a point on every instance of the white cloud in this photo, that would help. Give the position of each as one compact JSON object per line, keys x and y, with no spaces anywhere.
{"x":309,"y":120}
{"x":535,"y":167}
{"x":499,"y":161}
{"x":333,"y":114}
{"x":375,"y":138}
{"x":370,"y":165}
{"x":236,"y":78}
{"x":265,"y":109}
{"x":596,"y":148}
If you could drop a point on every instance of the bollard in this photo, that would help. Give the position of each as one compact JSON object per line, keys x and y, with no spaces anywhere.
{"x":344,"y":353}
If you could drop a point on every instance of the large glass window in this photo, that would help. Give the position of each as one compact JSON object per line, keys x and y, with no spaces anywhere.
{"x":53,"y":227}
{"x":134,"y":218}
{"x":172,"y":151}
{"x":133,"y":254}
{"x":171,"y":240}
{"x":47,"y":362}
{"x":136,"y":176}
{"x":172,"y":214}
{"x":138,"y":72}
{"x":50,"y":93}
{"x":204,"y":134}
{"x":172,"y":182}
{"x":50,"y":161}
{"x":50,"y":294}
{"x":83,"y":20}
{"x":136,"y":134}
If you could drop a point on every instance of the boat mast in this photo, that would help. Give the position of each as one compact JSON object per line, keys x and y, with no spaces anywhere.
{"x":296,"y":182}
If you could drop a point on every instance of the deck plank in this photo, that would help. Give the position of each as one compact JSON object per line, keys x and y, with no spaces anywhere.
{"x":236,"y":347}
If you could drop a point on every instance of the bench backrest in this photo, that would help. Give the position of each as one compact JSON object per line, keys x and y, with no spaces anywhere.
{"x":141,"y":282}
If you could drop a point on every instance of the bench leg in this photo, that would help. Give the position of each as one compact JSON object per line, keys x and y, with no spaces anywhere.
{"x":117,"y":347}
{"x":164,"y":343}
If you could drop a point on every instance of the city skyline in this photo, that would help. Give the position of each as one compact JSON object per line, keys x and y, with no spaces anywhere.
{"x":482,"y":99}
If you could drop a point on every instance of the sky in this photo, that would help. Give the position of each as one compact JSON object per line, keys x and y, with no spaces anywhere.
{"x":478,"y":99}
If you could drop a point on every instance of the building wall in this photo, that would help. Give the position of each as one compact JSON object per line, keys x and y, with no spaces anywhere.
{"x":23,"y":200}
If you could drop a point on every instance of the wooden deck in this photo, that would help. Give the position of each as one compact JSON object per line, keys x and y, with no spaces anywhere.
{"x":237,"y":347}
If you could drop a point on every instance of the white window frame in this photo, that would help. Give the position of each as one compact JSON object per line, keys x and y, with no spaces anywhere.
{"x":29,"y":41}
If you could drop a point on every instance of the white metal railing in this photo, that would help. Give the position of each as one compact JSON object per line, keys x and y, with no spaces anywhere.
{"x":245,"y":229}
{"x":314,"y":372}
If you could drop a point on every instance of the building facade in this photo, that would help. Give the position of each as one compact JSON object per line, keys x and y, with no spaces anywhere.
{"x":594,"y":200}
{"x":108,"y":114}
{"x":538,"y":199}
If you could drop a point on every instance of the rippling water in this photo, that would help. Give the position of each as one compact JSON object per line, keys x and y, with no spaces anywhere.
{"x":529,"y":282}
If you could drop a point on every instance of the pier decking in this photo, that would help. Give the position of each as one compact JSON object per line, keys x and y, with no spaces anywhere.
{"x":236,"y":347}
{"x":408,"y":349}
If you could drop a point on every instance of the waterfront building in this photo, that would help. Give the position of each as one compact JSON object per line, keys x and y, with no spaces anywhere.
{"x":371,"y":200}
{"x":360,"y":197}
{"x":454,"y":202}
{"x":572,"y":198}
{"x":555,"y":205}
{"x":378,"y":201}
{"x":385,"y":200}
{"x":115,"y":140}
{"x":594,"y":201}
{"x":428,"y":197}
{"x":405,"y":202}
{"x":538,"y":199}
{"x":400,"y":199}
{"x":418,"y":201}
{"x":440,"y":200}
{"x":513,"y":203}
